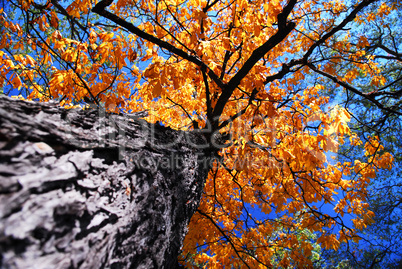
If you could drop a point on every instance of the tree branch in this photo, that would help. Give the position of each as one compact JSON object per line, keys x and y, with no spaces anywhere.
{"x":338,"y":28}
{"x":284,"y":29}
{"x":352,"y":89}
{"x":99,"y":9}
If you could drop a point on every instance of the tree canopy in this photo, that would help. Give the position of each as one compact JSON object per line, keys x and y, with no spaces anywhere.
{"x":255,"y":77}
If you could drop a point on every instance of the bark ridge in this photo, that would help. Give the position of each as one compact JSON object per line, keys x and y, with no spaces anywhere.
{"x":87,"y":189}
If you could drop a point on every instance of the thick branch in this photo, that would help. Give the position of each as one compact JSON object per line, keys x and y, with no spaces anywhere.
{"x":285,"y":70}
{"x":284,"y":29}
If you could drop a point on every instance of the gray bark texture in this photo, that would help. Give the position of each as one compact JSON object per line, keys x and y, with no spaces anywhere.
{"x":88,"y":189}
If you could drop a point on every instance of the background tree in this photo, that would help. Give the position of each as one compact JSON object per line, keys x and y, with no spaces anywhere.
{"x":235,"y":71}
{"x":382,"y":117}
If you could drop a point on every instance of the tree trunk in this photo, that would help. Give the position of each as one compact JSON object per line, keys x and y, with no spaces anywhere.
{"x":88,"y":189}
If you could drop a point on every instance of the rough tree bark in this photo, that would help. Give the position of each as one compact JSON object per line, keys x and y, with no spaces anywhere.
{"x":85,"y":189}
